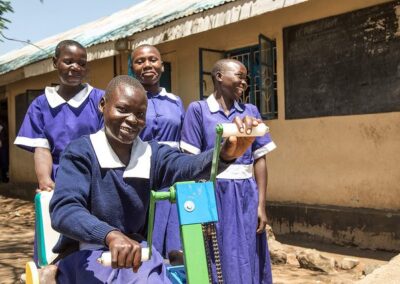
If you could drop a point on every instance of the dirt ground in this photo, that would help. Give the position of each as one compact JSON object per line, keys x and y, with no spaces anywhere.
{"x":16,"y":241}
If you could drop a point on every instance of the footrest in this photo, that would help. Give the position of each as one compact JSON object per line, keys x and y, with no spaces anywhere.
{"x":177,"y":274}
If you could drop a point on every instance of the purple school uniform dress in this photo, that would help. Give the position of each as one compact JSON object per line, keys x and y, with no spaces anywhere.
{"x":164,"y":120}
{"x":96,"y":193}
{"x":244,"y":254}
{"x":52,"y":123}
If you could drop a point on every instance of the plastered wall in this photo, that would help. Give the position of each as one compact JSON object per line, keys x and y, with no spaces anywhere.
{"x":347,"y":161}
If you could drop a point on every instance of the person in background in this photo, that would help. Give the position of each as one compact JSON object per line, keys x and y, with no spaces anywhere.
{"x":58,"y":116}
{"x":240,"y":196}
{"x":103,"y":184}
{"x":61,"y":114}
{"x":164,"y":118}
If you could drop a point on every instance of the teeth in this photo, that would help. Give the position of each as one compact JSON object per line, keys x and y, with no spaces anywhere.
{"x":126,"y":129}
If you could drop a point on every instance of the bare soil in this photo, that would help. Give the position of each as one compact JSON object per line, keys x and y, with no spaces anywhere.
{"x":16,"y":248}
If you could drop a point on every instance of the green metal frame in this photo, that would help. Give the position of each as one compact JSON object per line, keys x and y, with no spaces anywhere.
{"x":192,"y":235}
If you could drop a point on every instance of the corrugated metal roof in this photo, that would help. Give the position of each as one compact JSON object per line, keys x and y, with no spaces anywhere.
{"x":140,"y":17}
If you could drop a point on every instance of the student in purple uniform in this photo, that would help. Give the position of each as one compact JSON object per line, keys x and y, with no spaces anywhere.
{"x":164,"y":120}
{"x":58,"y":116}
{"x":240,"y":195}
{"x":61,"y":114}
{"x":102,"y":189}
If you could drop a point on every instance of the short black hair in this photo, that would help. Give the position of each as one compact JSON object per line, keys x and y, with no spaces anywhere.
{"x":220,"y":65}
{"x":64,"y":43}
{"x":122,"y":80}
{"x":144,"y":46}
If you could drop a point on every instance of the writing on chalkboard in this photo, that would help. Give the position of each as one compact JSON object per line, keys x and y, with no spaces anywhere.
{"x":344,"y":65}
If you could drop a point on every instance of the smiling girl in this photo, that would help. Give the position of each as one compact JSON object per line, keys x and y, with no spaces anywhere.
{"x":60,"y":115}
{"x":164,"y":120}
{"x":241,"y":188}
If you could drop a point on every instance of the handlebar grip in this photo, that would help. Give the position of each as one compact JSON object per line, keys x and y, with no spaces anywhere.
{"x":230,"y":129}
{"x":105,"y":258}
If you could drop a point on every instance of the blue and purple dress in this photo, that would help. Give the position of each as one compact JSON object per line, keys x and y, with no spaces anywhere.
{"x":96,"y":193}
{"x":164,"y":118}
{"x":244,"y":254}
{"x":51,"y":122}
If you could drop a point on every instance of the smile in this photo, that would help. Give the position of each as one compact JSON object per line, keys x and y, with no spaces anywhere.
{"x":127,"y":129}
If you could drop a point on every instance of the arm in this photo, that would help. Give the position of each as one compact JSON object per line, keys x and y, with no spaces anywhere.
{"x":261,"y":176}
{"x":70,"y":204}
{"x":43,"y":168}
{"x":172,"y":166}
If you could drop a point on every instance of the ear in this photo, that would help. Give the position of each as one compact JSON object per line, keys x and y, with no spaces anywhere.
{"x":55,"y":62}
{"x":218,"y":76}
{"x":162,"y":67}
{"x":102,"y":103}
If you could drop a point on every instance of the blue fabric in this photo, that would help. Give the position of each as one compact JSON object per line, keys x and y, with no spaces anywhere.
{"x":164,"y":120}
{"x":88,"y":271}
{"x":244,"y":254}
{"x":62,"y":124}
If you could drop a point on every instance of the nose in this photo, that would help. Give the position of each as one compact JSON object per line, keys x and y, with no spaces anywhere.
{"x":244,"y":83}
{"x":76,"y":67}
{"x":146,"y":63}
{"x":132,"y":119}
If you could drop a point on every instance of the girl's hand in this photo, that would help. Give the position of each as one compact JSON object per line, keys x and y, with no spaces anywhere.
{"x":234,"y":147}
{"x":125,"y":252}
{"x":45,"y":185}
{"x":262,"y":219}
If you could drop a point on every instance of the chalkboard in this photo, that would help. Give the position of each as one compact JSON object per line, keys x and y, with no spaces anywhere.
{"x":344,"y":65}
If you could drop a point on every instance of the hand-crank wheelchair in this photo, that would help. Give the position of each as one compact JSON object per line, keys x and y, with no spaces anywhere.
{"x":197,"y":213}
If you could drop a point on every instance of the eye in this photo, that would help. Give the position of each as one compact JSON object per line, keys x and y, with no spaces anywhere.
{"x":67,"y":61}
{"x":138,"y":61}
{"x":82,"y":64}
{"x":121,"y":109}
{"x":141,"y":115}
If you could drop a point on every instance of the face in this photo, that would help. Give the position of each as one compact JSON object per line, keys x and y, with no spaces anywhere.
{"x":233,"y":80}
{"x":147,"y":65}
{"x":124,"y":114}
{"x":71,"y":65}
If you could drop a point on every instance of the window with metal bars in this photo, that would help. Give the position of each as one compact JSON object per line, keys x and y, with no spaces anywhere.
{"x":260,"y":61}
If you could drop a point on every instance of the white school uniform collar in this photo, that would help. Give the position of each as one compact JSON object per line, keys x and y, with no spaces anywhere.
{"x":139,"y":163}
{"x":164,"y":93}
{"x":213,"y":105}
{"x":54,"y":99}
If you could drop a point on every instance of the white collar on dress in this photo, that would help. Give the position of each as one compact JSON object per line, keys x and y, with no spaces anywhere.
{"x":213,"y":105}
{"x":55,"y":99}
{"x":139,"y":163}
{"x":164,"y":92}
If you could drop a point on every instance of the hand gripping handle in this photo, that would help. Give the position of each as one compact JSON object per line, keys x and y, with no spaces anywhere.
{"x":105,"y":258}
{"x":230,"y":129}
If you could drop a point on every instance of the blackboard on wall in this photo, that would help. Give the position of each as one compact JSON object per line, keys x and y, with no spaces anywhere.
{"x":343,"y":65}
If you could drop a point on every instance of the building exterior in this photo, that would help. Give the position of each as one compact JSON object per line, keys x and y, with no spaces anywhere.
{"x":324,"y":74}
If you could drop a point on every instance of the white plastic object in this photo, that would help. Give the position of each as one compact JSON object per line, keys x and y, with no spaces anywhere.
{"x":105,"y":258}
{"x":230,"y":129}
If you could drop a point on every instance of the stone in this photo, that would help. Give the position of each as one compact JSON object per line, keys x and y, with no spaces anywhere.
{"x":369,"y":268}
{"x":313,"y":260}
{"x":387,"y":274}
{"x":277,"y":252}
{"x":348,"y":263}
{"x":270,"y":233}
